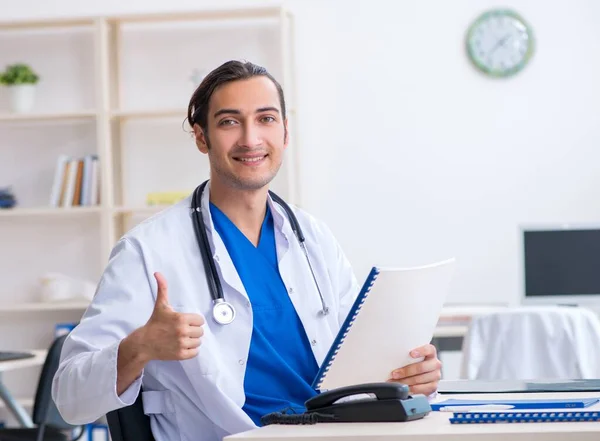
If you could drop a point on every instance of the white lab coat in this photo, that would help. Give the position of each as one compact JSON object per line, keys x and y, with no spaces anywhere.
{"x":533,"y":343}
{"x":201,"y":398}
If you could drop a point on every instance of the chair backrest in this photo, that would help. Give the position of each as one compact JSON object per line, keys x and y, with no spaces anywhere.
{"x":130,"y":423}
{"x":535,"y":342}
{"x":44,"y":409}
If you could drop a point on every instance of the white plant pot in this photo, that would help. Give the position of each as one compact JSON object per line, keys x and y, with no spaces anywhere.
{"x":22,"y":97}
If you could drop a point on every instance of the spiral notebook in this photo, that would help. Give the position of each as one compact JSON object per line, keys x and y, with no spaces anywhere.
{"x":523,"y":417}
{"x":396,"y":311}
{"x":549,"y":403}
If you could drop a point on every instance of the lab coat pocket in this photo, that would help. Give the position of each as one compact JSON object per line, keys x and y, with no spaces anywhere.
{"x":205,"y":363}
{"x":158,"y":401}
{"x":159,"y":405}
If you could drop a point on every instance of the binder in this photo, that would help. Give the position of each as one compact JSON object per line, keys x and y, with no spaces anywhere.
{"x":524,"y":417}
{"x":395,"y":312}
{"x":562,"y":403}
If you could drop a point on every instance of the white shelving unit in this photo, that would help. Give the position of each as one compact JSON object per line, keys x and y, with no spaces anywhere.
{"x":117,"y":87}
{"x":115,"y":112}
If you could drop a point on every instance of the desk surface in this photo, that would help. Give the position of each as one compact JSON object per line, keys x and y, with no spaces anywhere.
{"x":38,"y":360}
{"x":436,"y":427}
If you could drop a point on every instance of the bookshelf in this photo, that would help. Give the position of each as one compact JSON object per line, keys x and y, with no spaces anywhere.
{"x":117,"y":87}
{"x":115,"y":110}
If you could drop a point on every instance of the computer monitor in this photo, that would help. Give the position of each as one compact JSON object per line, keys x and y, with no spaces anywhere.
{"x":561,"y":264}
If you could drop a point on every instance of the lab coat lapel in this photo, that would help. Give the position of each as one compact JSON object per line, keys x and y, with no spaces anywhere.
{"x":298,"y":279}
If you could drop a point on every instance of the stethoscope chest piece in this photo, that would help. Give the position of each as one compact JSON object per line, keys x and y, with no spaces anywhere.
{"x":223,"y":312}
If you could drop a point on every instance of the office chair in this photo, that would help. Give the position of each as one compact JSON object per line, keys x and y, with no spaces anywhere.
{"x":130,"y":423}
{"x":50,"y":426}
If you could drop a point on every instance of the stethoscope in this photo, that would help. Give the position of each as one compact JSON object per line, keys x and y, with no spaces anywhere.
{"x":223,"y":312}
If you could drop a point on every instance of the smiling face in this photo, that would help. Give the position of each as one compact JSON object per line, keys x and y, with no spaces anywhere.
{"x":245,"y":134}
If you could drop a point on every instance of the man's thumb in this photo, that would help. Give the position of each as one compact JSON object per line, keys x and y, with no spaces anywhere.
{"x":162,"y":297}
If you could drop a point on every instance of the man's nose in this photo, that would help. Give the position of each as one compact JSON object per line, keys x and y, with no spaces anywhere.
{"x":251,"y":136}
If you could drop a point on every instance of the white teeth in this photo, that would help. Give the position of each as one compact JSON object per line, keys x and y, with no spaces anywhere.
{"x":251,"y":159}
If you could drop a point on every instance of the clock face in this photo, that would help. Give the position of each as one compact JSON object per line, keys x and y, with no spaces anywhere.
{"x":500,"y":43}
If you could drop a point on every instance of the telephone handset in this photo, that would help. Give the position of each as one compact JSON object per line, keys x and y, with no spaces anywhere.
{"x":382,"y":391}
{"x":384,"y":402}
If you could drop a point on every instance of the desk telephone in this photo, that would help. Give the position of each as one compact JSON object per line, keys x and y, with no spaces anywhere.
{"x":387,"y":402}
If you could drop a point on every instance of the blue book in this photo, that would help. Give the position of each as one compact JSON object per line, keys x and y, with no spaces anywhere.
{"x":523,"y":417}
{"x":567,"y":403}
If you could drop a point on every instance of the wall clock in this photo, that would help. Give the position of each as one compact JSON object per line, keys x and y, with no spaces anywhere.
{"x":500,"y":43}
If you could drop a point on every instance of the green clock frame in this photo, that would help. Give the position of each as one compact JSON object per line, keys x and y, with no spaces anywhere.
{"x":498,"y":73}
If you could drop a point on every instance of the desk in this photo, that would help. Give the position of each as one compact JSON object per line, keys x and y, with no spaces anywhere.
{"x":436,"y":427}
{"x":13,"y":405}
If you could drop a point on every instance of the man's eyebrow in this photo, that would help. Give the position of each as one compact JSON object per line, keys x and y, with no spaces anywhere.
{"x":225,"y":111}
{"x":238,"y":112}
{"x":267,"y":109}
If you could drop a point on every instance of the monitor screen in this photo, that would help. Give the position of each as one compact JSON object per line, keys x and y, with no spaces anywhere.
{"x":562,"y":262}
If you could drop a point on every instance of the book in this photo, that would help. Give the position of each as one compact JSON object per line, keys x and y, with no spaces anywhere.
{"x":523,"y":417}
{"x":558,"y":403}
{"x":76,"y":182}
{"x":396,"y":311}
{"x":57,"y":183}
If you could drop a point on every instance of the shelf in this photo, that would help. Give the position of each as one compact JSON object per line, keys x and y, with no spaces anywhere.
{"x":149,"y":113}
{"x":39,"y":356}
{"x":208,"y":14}
{"x":48,"y":211}
{"x":48,"y":306}
{"x":140,"y":210}
{"x":49,"y":23}
{"x":36,"y":117}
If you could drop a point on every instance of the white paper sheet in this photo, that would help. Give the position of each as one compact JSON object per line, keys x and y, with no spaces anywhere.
{"x":399,"y":314}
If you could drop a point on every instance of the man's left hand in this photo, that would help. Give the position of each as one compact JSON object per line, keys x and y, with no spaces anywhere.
{"x":422,"y":377}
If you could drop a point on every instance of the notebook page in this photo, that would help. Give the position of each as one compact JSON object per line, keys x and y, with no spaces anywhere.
{"x":399,"y":314}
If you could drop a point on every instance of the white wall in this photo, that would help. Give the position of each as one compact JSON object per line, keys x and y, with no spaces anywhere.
{"x":409,"y":154}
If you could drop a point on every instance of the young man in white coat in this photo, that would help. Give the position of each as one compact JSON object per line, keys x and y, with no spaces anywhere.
{"x":150,"y":327}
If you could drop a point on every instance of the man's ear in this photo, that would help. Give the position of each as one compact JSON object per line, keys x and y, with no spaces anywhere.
{"x":286,"y":133}
{"x":200,"y":139}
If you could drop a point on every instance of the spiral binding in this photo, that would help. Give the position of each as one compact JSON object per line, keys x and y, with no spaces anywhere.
{"x":348,"y":324}
{"x":523,"y":417}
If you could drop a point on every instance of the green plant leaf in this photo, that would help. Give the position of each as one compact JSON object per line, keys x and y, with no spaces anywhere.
{"x":18,"y":73}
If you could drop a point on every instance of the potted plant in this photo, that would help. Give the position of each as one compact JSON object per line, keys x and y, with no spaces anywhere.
{"x":21,"y":81}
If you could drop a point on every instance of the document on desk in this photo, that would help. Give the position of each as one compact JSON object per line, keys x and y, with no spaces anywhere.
{"x":395,"y":312}
{"x":550,"y":403}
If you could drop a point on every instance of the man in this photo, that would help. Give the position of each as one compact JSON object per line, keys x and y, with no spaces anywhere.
{"x":150,"y":327}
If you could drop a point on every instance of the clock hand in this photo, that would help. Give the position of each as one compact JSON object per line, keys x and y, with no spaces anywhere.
{"x":499,"y":43}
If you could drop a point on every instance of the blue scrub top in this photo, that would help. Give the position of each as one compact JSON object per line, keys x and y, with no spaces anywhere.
{"x":281,"y":366}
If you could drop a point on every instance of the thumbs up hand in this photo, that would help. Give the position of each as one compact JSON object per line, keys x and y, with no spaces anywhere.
{"x":168,"y":334}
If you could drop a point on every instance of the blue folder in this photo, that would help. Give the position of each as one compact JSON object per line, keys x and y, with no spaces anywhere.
{"x":524,"y":417}
{"x":567,"y":403}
